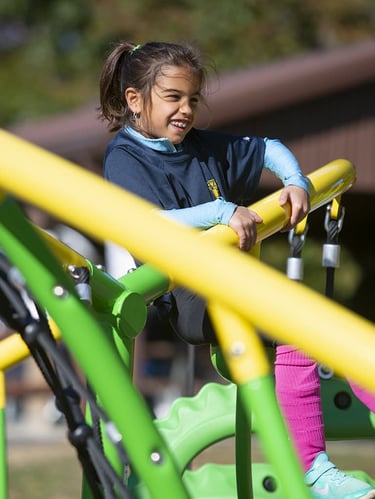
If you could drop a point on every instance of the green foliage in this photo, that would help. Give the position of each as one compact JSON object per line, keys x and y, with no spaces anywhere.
{"x":52,"y":52}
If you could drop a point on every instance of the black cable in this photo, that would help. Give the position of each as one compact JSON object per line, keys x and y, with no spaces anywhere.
{"x":330,"y":282}
{"x":37,"y":335}
{"x":333,"y":227}
{"x":49,"y":344}
{"x":12,"y":307}
{"x":297,"y":242}
{"x":108,"y":470}
{"x":33,"y":335}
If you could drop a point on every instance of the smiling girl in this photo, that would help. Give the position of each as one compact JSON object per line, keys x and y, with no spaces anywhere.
{"x":150,"y":94}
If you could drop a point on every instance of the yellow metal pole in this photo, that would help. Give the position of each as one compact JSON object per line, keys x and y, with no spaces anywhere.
{"x":289,"y":311}
{"x":239,"y":341}
{"x":13,"y":349}
{"x":45,"y":185}
{"x":2,"y":389}
{"x":64,"y":253}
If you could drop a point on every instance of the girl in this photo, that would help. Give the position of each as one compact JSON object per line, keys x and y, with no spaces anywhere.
{"x":151,"y":95}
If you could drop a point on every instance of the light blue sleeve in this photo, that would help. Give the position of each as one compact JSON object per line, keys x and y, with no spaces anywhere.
{"x":204,"y":216}
{"x":281,"y":161}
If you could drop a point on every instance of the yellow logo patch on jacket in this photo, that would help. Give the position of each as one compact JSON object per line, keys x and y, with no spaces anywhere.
{"x":213,"y":187}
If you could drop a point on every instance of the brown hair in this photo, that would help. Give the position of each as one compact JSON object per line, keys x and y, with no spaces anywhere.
{"x":131,"y":65}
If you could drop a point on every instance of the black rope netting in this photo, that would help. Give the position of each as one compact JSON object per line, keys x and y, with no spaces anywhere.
{"x":22,"y":314}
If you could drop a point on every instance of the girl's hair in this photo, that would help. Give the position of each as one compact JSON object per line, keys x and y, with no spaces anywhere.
{"x":131,"y":65}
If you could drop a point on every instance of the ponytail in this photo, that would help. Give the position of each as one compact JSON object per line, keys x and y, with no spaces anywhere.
{"x":113,"y":106}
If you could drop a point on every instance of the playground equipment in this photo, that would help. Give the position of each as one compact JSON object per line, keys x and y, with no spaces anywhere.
{"x":51,"y":293}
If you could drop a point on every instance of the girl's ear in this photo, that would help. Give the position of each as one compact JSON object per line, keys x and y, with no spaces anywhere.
{"x":133,"y":99}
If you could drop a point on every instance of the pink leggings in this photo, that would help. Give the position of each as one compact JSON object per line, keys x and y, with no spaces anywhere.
{"x":298,"y":392}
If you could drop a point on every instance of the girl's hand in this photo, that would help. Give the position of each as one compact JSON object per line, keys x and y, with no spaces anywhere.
{"x":299,"y":202}
{"x":244,"y":223}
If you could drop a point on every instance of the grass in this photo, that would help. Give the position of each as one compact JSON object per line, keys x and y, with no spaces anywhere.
{"x":51,"y":471}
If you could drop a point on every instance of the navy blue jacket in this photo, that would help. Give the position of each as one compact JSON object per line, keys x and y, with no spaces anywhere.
{"x":211,"y":164}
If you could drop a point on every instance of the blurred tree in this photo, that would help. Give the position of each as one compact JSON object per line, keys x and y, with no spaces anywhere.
{"x":43,"y":53}
{"x":52,"y":51}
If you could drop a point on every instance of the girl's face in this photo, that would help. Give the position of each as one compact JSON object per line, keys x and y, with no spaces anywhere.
{"x":174,"y":102}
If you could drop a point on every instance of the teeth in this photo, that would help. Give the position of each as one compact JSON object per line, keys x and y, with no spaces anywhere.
{"x":179,"y":124}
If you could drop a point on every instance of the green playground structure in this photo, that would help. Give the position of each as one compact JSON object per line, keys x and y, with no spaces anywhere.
{"x":54,"y":297}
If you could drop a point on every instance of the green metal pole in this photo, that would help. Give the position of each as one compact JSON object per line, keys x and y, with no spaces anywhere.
{"x":259,"y":394}
{"x":147,"y":281}
{"x":92,"y":349}
{"x":3,"y":456}
{"x":243,"y":452}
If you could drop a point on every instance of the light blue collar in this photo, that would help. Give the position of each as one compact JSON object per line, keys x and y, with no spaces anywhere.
{"x":163,"y":144}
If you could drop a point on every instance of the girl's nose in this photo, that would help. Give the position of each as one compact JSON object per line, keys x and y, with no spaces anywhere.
{"x":186,"y":107}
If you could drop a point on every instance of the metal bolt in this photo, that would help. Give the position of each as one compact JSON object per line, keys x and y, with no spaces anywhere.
{"x":60,"y":292}
{"x":237,"y":348}
{"x":156,"y":457}
{"x":74,"y":271}
{"x":325,"y":372}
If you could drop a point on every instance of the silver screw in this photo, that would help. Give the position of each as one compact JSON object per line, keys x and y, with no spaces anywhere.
{"x":237,"y":348}
{"x":60,"y":292}
{"x":156,"y":457}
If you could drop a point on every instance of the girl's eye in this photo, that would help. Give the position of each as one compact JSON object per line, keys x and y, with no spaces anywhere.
{"x":173,"y":97}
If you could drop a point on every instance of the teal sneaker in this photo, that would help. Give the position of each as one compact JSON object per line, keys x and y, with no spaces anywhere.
{"x":327,"y":482}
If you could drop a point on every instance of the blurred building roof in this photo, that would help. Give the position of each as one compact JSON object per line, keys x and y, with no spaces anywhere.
{"x":321,"y":104}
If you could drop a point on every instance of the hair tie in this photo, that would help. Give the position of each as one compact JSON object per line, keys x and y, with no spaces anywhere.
{"x":135,"y":48}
